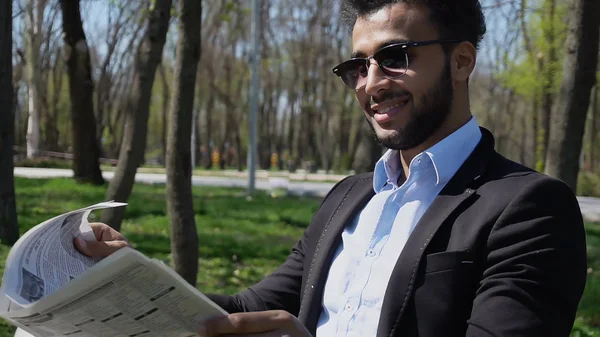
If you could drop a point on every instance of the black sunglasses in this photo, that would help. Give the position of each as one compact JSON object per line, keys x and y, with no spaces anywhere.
{"x":392,"y":59}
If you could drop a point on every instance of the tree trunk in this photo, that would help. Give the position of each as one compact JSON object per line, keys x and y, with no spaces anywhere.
{"x":133,"y":146}
{"x":194,"y":138}
{"x":356,"y":140}
{"x":538,"y":142}
{"x":86,"y":150}
{"x":343,"y":138}
{"x":545,"y":118}
{"x":52,"y":134}
{"x":549,"y":72}
{"x":9,"y":228}
{"x":34,"y":17}
{"x":165,"y":108}
{"x":579,"y":76}
{"x":523,"y":143}
{"x":208,"y":121}
{"x":184,"y":237}
{"x":291,"y":134}
{"x":105,"y":80}
{"x":593,"y":130}
{"x":368,"y":151}
{"x":537,"y":161}
{"x":223,"y":148}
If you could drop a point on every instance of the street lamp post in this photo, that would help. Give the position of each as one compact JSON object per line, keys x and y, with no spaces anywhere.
{"x":254,"y":96}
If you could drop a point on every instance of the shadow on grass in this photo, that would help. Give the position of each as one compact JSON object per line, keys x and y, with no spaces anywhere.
{"x":294,"y":222}
{"x":590,"y":303}
{"x":592,"y":233}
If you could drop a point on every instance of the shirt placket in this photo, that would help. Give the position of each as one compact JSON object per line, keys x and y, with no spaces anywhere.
{"x":378,"y":241}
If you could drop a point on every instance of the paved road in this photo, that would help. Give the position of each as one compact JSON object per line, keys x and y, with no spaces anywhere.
{"x":590,"y":207}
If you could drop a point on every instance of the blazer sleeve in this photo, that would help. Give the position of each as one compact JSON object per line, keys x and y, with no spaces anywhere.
{"x":535,"y":266}
{"x":281,"y":289}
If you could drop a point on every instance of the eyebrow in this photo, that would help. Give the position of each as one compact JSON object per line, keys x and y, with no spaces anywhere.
{"x":359,"y":53}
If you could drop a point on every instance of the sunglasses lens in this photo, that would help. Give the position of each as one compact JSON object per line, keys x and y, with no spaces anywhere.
{"x":352,"y":72}
{"x":393,"y":61}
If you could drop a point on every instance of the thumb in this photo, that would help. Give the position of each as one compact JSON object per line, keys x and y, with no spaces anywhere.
{"x":99,"y":248}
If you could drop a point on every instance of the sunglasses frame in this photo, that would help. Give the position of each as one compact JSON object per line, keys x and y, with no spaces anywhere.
{"x":403,"y":45}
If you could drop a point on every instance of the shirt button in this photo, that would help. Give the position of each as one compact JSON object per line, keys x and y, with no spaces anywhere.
{"x":371,"y":253}
{"x":348,"y":307}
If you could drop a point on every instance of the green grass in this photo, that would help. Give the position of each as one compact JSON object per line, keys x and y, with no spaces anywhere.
{"x":589,"y":308}
{"x":241,"y":240}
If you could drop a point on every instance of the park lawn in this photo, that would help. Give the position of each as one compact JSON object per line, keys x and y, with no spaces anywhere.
{"x":589,"y":308}
{"x":241,"y":240}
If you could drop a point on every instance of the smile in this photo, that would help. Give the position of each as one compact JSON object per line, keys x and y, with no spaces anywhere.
{"x":389,"y":108}
{"x":388,"y":113}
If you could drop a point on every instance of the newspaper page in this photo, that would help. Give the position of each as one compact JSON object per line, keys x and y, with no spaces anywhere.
{"x":45,"y":259}
{"x":126,"y":294}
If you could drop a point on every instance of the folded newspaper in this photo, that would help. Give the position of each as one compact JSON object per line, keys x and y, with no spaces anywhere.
{"x":50,"y":289}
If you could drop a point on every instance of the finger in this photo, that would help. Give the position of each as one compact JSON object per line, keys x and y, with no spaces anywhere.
{"x":99,"y":248}
{"x":104,"y":232}
{"x":247,"y":323}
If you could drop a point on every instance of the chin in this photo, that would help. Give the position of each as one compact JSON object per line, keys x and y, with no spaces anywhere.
{"x":392,"y":139}
{"x":388,"y":130}
{"x":384,"y":135}
{"x":387,"y":137}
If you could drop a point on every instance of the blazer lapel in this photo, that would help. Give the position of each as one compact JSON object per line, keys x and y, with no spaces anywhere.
{"x":354,"y":200}
{"x":457,"y":191}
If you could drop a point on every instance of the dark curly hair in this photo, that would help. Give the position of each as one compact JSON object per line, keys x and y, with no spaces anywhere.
{"x":454,"y":19}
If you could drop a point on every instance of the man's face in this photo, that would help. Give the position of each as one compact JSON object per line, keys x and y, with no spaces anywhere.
{"x":405,"y":111}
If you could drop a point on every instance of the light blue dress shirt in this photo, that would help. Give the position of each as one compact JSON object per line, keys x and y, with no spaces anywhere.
{"x":372,"y":242}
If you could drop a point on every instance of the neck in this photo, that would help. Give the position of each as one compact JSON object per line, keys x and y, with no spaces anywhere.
{"x":459,"y":116}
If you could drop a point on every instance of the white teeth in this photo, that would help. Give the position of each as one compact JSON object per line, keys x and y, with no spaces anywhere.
{"x":386,"y":110}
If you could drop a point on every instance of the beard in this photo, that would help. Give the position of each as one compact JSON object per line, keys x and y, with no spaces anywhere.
{"x":424,"y":119}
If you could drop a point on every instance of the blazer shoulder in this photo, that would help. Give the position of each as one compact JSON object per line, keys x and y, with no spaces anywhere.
{"x":502,"y":168}
{"x":342,"y":186}
{"x":507,"y":180}
{"x":342,"y":190}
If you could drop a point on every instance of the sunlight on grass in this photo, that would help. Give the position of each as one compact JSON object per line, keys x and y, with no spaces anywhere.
{"x":241,"y":240}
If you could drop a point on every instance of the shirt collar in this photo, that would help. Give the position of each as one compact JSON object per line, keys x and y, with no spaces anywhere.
{"x":387,"y":170}
{"x":447,"y":157}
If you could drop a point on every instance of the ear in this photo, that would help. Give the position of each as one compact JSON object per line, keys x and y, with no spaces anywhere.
{"x":463,"y":60}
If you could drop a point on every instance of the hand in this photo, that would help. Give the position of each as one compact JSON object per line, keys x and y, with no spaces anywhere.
{"x":109,"y":241}
{"x":275,"y":323}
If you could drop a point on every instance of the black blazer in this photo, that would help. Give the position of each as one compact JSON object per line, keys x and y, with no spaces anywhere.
{"x":500,"y":252}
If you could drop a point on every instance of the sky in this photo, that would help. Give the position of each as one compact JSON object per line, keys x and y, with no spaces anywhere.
{"x":96,"y":20}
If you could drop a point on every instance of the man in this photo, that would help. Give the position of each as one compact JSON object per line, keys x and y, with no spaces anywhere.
{"x":446,"y":237}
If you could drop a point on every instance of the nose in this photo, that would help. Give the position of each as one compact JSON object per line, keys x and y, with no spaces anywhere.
{"x":376,"y":80}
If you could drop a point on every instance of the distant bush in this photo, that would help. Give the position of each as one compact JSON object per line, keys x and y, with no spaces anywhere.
{"x":588,"y":184}
{"x":43,"y":162}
